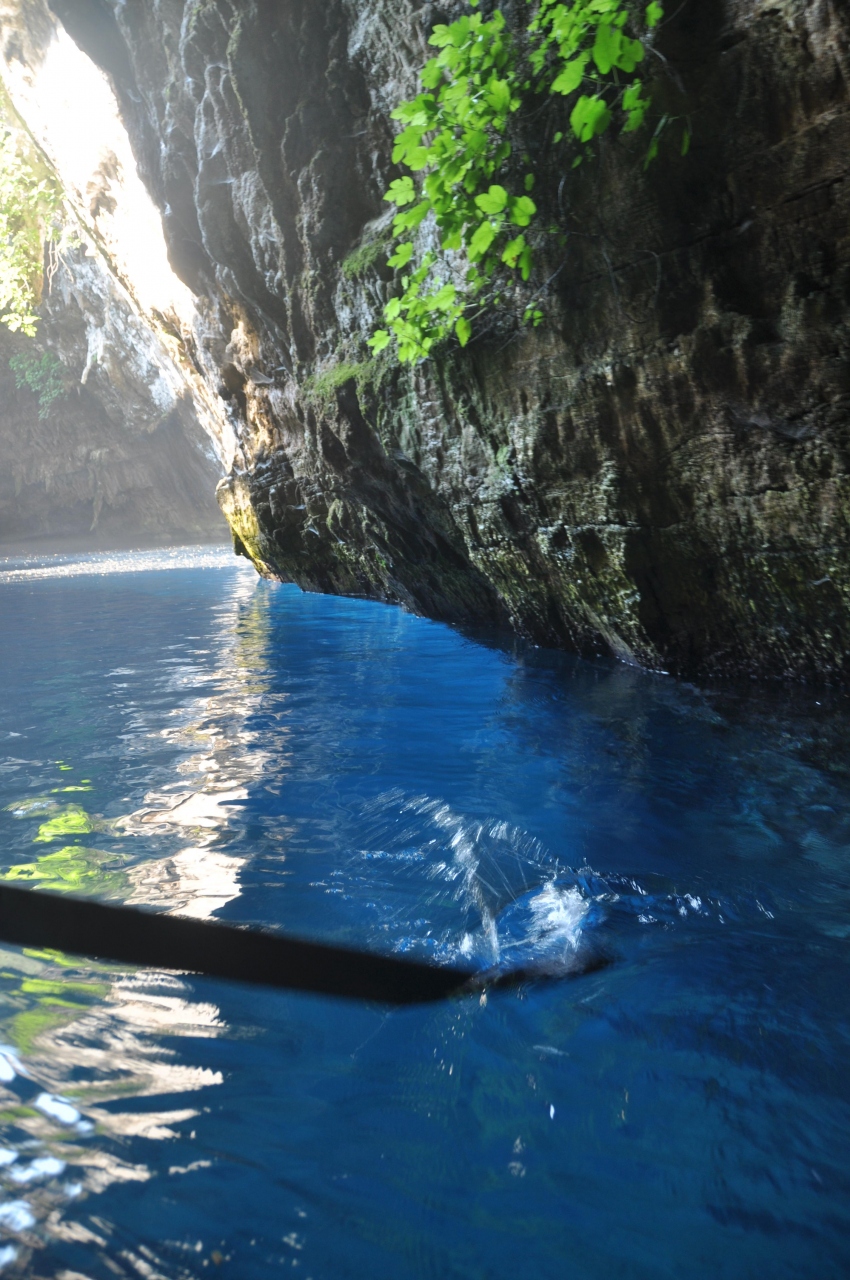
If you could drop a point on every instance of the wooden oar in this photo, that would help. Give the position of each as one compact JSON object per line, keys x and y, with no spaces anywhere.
{"x":32,"y":918}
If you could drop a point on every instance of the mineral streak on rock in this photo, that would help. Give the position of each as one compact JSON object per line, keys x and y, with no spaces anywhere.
{"x":661,"y":470}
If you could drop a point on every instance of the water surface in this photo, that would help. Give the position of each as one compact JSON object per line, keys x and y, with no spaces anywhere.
{"x":175,"y":733}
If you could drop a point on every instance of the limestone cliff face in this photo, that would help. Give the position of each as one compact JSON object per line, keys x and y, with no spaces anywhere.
{"x":661,"y":470}
{"x":120,"y":457}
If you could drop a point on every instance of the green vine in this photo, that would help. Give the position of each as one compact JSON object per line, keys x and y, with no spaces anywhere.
{"x":455,"y":143}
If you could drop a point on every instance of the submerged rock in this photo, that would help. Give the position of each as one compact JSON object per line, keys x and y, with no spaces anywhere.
{"x":660,"y":470}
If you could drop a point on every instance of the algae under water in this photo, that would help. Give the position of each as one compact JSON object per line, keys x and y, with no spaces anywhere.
{"x":177,"y":734}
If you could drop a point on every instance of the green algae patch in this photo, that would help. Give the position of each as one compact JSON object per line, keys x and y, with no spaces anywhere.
{"x":49,"y":956}
{"x":53,"y":1002}
{"x":74,"y":869}
{"x":74,"y":821}
{"x":11,"y":1114}
{"x":365,"y":258}
{"x":51,"y":987}
{"x":320,"y":388}
{"x":49,"y":1003}
{"x":26,"y":1028}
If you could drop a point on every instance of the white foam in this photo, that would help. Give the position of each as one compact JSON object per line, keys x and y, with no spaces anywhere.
{"x":557,"y":916}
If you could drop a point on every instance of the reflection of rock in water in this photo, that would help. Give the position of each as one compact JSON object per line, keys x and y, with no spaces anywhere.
{"x":197,"y":880}
{"x":217,"y":756}
{"x":88,"y":1036}
{"x":222,"y":756}
{"x":54,"y":1100}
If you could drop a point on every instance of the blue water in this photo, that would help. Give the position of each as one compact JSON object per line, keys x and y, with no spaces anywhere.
{"x":347,"y":771}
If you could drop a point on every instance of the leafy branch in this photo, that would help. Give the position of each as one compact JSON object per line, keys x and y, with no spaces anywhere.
{"x":43,"y":374}
{"x":456,"y":145}
{"x":30,"y":207}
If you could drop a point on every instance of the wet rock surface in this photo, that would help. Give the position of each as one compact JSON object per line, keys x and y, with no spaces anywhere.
{"x":659,"y":471}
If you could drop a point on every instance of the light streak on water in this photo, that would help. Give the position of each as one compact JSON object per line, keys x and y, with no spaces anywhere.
{"x":36,"y":568}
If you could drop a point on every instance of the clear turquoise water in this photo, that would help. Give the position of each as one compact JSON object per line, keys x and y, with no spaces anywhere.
{"x":346,"y":771}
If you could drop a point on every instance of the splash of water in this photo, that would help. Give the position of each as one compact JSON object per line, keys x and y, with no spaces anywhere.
{"x":484,"y":892}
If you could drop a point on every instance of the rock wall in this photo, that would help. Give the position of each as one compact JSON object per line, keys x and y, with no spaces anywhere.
{"x":661,"y":469}
{"x":119,"y":458}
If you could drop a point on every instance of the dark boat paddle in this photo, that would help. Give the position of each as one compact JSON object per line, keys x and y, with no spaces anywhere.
{"x":32,"y":918}
{"x":128,"y":935}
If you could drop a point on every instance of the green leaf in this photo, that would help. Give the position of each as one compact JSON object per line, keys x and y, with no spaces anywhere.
{"x":417,"y":158}
{"x":443,"y":299}
{"x":419,"y":112}
{"x":498,"y":95}
{"x":589,"y":117}
{"x":440,"y":36}
{"x":522,"y":210}
{"x":631,"y":53}
{"x":635,"y":107}
{"x":571,"y":76}
{"x":686,"y":142}
{"x":402,"y":191}
{"x":432,"y":74}
{"x":493,"y":201}
{"x":525,"y":261}
{"x":407,"y":141}
{"x":475,"y":142}
{"x":513,"y":249}
{"x":606,"y":47}
{"x":402,"y":255}
{"x":411,"y":217}
{"x":454,"y":133}
{"x":481,"y":240}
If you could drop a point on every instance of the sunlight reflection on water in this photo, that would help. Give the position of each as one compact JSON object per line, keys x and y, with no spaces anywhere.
{"x":37,"y":568}
{"x":109,"y":1045}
